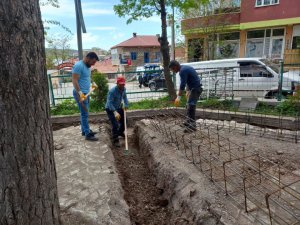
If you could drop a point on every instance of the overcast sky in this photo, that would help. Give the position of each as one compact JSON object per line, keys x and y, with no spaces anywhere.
{"x":104,"y":28}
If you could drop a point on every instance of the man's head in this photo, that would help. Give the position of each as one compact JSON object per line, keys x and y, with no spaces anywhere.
{"x":90,"y":59}
{"x":174,"y":66}
{"x":121,"y":82}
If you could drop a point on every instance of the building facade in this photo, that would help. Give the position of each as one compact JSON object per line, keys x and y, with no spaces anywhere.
{"x":246,"y":28}
{"x":136,"y":51}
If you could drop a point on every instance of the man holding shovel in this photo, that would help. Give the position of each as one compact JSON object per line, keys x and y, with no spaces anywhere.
{"x":189,"y":78}
{"x":81,"y":78}
{"x":115,"y":111}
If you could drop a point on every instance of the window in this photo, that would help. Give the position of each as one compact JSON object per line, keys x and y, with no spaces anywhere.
{"x":278,"y":32}
{"x":256,"y":34}
{"x":133,"y":55}
{"x":224,"y":45}
{"x":157,"y":56}
{"x":296,"y":43}
{"x":266,"y":2}
{"x":296,"y":37}
{"x":253,"y":69}
{"x":265,"y":43}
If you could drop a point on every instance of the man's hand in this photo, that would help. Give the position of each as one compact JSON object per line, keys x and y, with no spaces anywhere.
{"x":177,"y":101}
{"x":82,"y":97}
{"x":187,"y":94}
{"x":117,"y":115}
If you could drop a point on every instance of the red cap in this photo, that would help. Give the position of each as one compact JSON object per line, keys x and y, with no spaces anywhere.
{"x":121,"y":80}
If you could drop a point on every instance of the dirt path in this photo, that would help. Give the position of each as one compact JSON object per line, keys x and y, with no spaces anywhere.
{"x":147,"y":206}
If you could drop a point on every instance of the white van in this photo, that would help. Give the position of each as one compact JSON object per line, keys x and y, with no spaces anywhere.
{"x":243,"y":77}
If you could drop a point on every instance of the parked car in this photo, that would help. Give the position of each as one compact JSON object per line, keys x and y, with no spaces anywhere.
{"x":243,"y":77}
{"x":158,"y":83}
{"x":151,"y":71}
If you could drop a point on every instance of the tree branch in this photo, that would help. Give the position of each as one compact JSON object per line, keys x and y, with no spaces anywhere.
{"x":159,"y":10}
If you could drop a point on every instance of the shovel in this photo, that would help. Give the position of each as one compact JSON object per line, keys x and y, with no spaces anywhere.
{"x":126,"y":151}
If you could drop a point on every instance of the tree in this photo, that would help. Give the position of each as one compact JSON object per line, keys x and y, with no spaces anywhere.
{"x":28,"y":187}
{"x":137,"y":9}
{"x":58,"y":50}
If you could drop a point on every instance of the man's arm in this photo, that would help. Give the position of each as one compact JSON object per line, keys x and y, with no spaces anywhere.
{"x":110,"y":99}
{"x":75,"y":79}
{"x":183,"y":80}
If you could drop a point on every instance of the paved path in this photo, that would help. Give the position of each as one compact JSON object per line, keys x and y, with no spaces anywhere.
{"x":89,"y":189}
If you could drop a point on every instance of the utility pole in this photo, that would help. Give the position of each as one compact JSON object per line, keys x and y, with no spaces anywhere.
{"x":80,"y":27}
{"x":173,"y":33}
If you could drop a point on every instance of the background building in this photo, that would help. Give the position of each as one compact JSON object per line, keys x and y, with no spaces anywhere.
{"x":246,"y":28}
{"x":136,"y":51}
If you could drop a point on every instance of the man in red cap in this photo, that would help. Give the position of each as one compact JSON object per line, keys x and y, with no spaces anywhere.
{"x":115,"y":111}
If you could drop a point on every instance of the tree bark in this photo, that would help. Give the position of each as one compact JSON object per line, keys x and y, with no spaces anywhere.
{"x":28,"y":187}
{"x":165,"y":50}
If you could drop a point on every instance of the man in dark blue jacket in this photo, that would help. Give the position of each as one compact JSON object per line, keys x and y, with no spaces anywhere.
{"x":190,"y":79}
{"x":115,"y":111}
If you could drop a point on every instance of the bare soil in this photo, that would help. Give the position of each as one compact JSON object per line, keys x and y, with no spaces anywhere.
{"x":146,"y":203}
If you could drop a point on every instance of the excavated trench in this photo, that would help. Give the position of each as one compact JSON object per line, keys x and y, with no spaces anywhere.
{"x":161,"y":187}
{"x":146,"y":202}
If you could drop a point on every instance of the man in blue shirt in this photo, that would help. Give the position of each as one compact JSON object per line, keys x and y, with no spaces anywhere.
{"x":81,"y":78}
{"x":189,"y":78}
{"x":115,"y":111}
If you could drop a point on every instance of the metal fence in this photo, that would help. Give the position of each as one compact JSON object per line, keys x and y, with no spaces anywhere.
{"x":61,"y":86}
{"x":249,"y":81}
{"x":218,"y":82}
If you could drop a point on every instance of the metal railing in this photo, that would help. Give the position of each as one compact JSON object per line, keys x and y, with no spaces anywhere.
{"x":250,"y":81}
{"x":137,"y":87}
{"x":222,"y":82}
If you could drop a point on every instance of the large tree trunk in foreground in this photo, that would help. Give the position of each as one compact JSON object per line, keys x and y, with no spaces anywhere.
{"x":28,"y":189}
{"x":164,"y":46}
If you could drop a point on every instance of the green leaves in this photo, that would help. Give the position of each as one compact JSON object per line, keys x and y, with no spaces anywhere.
{"x":136,"y":10}
{"x":53,"y":3}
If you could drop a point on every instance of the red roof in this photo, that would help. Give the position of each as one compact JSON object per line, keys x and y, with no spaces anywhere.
{"x":105,"y":66}
{"x":140,"y":41}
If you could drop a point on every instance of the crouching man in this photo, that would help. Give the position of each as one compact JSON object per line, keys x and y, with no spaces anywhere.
{"x":115,"y":111}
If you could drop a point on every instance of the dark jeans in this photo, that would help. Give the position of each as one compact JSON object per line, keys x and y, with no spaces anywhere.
{"x":117,"y":126}
{"x":194,"y":96}
{"x":191,"y":107}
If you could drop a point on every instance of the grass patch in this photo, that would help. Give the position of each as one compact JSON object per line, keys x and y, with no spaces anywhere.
{"x":217,"y":104}
{"x":289,"y":107}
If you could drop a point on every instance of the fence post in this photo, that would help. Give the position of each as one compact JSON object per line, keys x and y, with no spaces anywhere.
{"x":51,"y":89}
{"x":279,"y":96}
{"x":174,"y":80}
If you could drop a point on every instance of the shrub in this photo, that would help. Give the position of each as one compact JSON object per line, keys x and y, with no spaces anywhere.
{"x":291,"y":106}
{"x":100,"y":94}
{"x":66,"y":107}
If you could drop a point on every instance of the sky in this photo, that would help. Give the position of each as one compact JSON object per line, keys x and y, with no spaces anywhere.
{"x":104,"y":28}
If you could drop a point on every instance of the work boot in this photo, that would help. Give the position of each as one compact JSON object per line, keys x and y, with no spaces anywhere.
{"x":122,"y":135}
{"x":91,"y":137}
{"x":116,"y":143}
{"x":191,"y":122}
{"x":91,"y":132}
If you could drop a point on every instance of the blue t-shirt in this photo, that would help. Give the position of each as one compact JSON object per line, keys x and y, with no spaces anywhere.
{"x":85,"y":76}
{"x":189,"y":77}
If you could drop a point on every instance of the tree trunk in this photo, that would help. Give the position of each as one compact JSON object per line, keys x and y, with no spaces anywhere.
{"x":164,"y":48}
{"x":28,"y":187}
